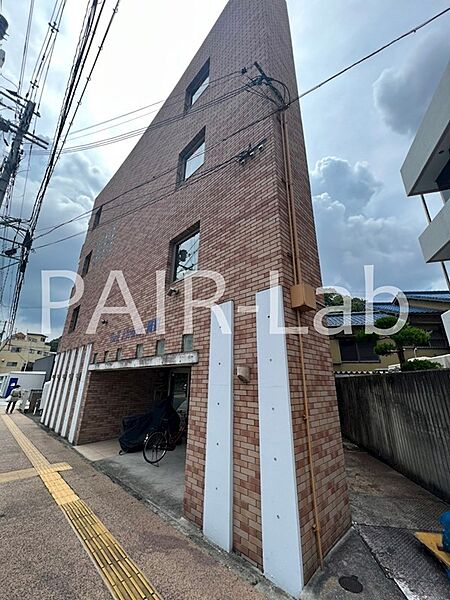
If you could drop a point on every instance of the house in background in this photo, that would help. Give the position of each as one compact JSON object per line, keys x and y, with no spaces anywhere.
{"x":425,"y":311}
{"x":21,"y":350}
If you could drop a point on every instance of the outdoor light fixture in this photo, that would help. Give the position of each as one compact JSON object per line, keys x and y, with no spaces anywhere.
{"x":173,"y":292}
{"x":243,"y":374}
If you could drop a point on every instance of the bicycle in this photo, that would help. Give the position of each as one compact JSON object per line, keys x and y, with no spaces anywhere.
{"x":158,"y":443}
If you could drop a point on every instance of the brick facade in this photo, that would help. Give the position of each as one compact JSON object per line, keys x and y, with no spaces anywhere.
{"x":244,"y":234}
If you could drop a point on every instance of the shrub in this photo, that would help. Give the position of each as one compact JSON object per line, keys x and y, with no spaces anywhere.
{"x":420,"y":365}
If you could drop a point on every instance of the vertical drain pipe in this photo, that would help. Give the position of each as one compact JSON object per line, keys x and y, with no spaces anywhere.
{"x":296,"y":265}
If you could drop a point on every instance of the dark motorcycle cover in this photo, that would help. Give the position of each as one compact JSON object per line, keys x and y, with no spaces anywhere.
{"x":136,"y":427}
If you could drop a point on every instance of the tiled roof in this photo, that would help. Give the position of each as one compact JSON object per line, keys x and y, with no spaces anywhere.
{"x":414,"y":310}
{"x":432,"y":296}
{"x":358,"y":319}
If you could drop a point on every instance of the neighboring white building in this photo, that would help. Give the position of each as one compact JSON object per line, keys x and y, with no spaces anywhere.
{"x":427,"y":170}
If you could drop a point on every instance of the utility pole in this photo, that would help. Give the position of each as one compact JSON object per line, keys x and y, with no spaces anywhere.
{"x":11,"y":163}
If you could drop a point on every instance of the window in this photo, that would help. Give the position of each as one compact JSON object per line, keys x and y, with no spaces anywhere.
{"x":94,"y":358}
{"x":74,"y":319}
{"x":15,"y":349}
{"x":160,"y":347}
{"x":192,"y":157}
{"x":105,"y":358}
{"x":187,"y":344}
{"x":11,"y":364}
{"x":357,"y":351}
{"x":119,"y":354}
{"x":97,"y":217}
{"x":186,"y":255}
{"x":86,"y":264}
{"x":198,"y":86}
{"x":139,"y":350}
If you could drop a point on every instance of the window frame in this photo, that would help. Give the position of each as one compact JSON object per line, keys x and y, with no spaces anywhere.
{"x":161,"y":342}
{"x":375,"y":359}
{"x":175,"y":244}
{"x":97,"y":217}
{"x":139,"y":352}
{"x":74,"y":319}
{"x":86,"y":264}
{"x":186,"y":155}
{"x":196,"y":84}
{"x":184,"y":338}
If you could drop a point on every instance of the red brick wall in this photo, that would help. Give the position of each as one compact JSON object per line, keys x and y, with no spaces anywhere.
{"x":244,"y":234}
{"x":115,"y":395}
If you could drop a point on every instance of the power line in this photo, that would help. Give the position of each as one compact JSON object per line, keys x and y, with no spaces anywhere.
{"x":371,"y":55}
{"x":212,"y":83}
{"x":169,"y":121}
{"x":90,"y":24}
{"x":25,"y":46}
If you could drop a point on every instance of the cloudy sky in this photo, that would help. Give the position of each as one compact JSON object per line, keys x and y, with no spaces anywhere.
{"x":358,"y":128}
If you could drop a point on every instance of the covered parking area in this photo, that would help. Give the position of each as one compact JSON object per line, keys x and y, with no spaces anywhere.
{"x":131,"y":387}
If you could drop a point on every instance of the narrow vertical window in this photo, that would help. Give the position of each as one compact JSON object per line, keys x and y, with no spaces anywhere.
{"x":97,"y":217}
{"x":198,"y":86}
{"x":185,"y":251}
{"x":192,"y":157}
{"x":74,"y":319}
{"x":86,"y":264}
{"x":139,"y":350}
{"x":160,"y":347}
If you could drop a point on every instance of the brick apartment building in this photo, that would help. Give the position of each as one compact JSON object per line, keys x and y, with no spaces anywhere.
{"x":218,"y":182}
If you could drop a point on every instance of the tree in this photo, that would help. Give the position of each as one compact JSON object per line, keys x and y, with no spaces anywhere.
{"x":407,"y":337}
{"x":333,"y":299}
{"x":54,"y":344}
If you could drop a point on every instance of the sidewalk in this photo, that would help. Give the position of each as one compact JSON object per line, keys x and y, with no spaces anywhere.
{"x":43,"y":559}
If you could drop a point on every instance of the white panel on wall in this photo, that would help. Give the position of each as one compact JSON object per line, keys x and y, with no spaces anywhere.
{"x":45,"y":396}
{"x":281,"y":537}
{"x":446,"y":322}
{"x":55,"y":380}
{"x":73,"y":386}
{"x":55,"y":407}
{"x":76,"y":410}
{"x":63,"y":399}
{"x":218,"y":500}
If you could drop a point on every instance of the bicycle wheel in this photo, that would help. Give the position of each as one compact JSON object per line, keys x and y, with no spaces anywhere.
{"x":155,"y":447}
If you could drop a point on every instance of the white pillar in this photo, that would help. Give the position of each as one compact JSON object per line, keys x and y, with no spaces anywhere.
{"x":45,"y":395}
{"x":76,"y":410}
{"x":281,"y":537}
{"x":63,"y":399}
{"x":65,"y":360}
{"x":55,"y":379}
{"x":72,"y":391}
{"x":446,"y":321}
{"x":218,"y":499}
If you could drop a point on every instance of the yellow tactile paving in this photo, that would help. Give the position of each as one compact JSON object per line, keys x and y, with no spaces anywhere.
{"x":27,"y":473}
{"x":123,"y":578}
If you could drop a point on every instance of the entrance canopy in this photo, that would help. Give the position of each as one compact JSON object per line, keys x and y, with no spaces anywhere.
{"x":179,"y":359}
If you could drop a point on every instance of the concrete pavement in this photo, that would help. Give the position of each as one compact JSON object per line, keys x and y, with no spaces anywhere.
{"x":42,"y":558}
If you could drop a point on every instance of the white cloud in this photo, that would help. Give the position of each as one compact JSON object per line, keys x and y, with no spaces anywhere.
{"x":352,"y":186}
{"x":402,"y":94}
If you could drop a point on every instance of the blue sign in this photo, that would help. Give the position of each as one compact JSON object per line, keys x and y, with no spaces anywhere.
{"x":128,"y":334}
